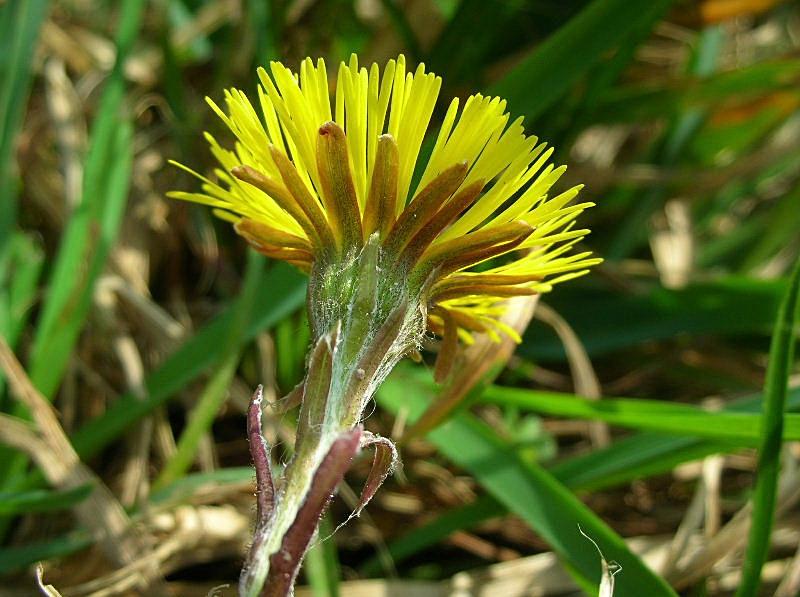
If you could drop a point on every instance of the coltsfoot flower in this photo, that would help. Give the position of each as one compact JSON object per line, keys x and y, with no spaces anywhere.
{"x":395,"y":243}
{"x":309,"y":182}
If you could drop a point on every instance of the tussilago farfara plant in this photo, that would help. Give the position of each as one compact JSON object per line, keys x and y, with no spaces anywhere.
{"x":392,"y":247}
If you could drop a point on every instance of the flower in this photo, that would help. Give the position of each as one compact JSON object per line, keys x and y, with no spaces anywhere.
{"x":394,"y":245}
{"x":473,"y":224}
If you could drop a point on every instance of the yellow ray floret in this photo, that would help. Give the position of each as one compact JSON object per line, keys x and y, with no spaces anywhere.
{"x":310,"y":179}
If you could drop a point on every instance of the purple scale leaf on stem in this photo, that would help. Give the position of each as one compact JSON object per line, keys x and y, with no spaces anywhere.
{"x":285,"y":563}
{"x":265,"y":488}
{"x":383,"y":464}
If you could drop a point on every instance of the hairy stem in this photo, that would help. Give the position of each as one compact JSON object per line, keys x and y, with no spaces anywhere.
{"x":364,"y":322}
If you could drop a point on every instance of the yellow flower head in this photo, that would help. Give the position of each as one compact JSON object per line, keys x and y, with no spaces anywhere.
{"x":311,"y":183}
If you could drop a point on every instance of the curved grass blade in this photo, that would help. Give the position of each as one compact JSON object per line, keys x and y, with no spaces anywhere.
{"x":18,"y":295}
{"x":89,"y":236}
{"x":638,"y":103}
{"x":283,"y":291}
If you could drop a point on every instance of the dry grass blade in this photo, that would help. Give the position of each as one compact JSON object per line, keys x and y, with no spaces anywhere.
{"x":790,"y":585}
{"x":64,"y":106}
{"x":42,"y":412}
{"x":699,"y":563}
{"x":135,"y":481}
{"x":609,"y":570}
{"x":692,"y":519}
{"x":672,"y":244}
{"x":583,"y":374}
{"x":540,"y":575}
{"x":188,"y":536}
{"x":480,"y":363}
{"x":49,"y":446}
{"x":48,"y":590}
{"x":22,"y":436}
{"x":154,"y":319}
{"x":713,"y":467}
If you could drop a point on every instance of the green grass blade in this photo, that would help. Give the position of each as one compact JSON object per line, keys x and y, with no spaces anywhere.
{"x":646,"y":454}
{"x":27,"y":260}
{"x":783,"y":223}
{"x":89,"y":235}
{"x":637,"y":103}
{"x":292,"y":336}
{"x":684,"y":125}
{"x":665,"y":417}
{"x":532,"y":493}
{"x":93,"y":227}
{"x":19,"y":29}
{"x":639,"y":456}
{"x":321,"y":565}
{"x":42,"y":500}
{"x":201,"y":417}
{"x":599,"y":81}
{"x":490,"y":28}
{"x":266,"y":19}
{"x":608,"y":319}
{"x":781,"y":358}
{"x":69,"y":305}
{"x":18,"y":557}
{"x":87,"y":243}
{"x":635,"y":457}
{"x":216,"y":391}
{"x":547,"y":73}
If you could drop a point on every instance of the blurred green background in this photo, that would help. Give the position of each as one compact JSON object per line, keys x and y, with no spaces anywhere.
{"x":146,"y":322}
